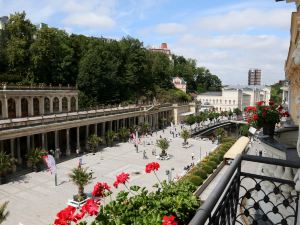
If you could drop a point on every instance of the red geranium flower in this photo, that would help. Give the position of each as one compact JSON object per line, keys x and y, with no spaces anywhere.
{"x":65,"y":216}
{"x":99,"y":189}
{"x":260,"y":103}
{"x":121,"y":179}
{"x":280,"y":108}
{"x":249,"y":120}
{"x":255,"y":117}
{"x":169,"y":220}
{"x":264,"y":114}
{"x":151,"y":167}
{"x":271,"y":102}
{"x":91,"y":207}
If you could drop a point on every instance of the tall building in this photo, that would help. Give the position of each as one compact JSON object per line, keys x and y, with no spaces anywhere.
{"x":3,"y":21}
{"x":254,"y":77}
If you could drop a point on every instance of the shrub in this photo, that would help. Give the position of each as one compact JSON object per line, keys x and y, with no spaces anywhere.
{"x":212,"y":164}
{"x":208,"y":169}
{"x":196,"y":180}
{"x":201,"y":173}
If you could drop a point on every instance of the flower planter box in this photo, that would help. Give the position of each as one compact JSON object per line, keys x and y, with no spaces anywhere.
{"x":76,"y":204}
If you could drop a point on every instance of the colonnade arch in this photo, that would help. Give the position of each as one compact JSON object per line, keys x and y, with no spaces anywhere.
{"x":36,"y":106}
{"x":55,"y":104}
{"x":47,"y":105}
{"x":24,"y":107}
{"x":11,"y":103}
{"x":64,"y":104}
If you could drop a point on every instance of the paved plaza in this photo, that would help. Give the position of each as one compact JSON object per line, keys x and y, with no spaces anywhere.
{"x":34,"y":199}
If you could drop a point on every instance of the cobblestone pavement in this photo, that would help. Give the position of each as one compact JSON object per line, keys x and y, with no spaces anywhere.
{"x":35,"y":200}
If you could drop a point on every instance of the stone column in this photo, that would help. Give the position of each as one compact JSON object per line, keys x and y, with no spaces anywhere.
{"x":28,"y":144}
{"x":56,"y":140}
{"x":69,"y":104}
{"x":42,"y":105}
{"x":86,"y":137}
{"x":51,"y":104}
{"x":117,"y":124}
{"x":78,"y":137}
{"x":76,"y":103}
{"x":124,"y":123}
{"x":96,"y":129}
{"x":60,"y":104}
{"x":68,"y":150}
{"x":134,"y":120}
{"x":30,"y":106}
{"x":19,"y":151}
{"x":5,"y":108}
{"x":18,"y":107}
{"x":12,"y":147}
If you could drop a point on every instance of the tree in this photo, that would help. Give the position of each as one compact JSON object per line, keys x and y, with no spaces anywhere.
{"x":276,"y":93}
{"x":185,"y":135}
{"x":5,"y":165}
{"x":123,"y":133}
{"x":220,"y":133}
{"x":20,"y":33}
{"x":93,"y":142}
{"x":81,"y":178}
{"x":163,"y":144}
{"x":144,"y":128}
{"x":190,"y":120}
{"x":244,"y":130}
{"x":237,"y":111}
{"x":3,"y":213}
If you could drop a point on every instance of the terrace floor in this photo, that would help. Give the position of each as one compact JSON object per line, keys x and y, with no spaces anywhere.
{"x":34,"y":199}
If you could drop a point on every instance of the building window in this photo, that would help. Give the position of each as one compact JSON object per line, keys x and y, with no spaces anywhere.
{"x":217,"y":100}
{"x":24,"y":107}
{"x":221,"y":101}
{"x":64,"y":104}
{"x":55,"y":105}
{"x":11,"y":108}
{"x":225,"y":101}
{"x":36,"y":107}
{"x":234,"y":102}
{"x":46,"y":105}
{"x":213,"y":101}
{"x":229,"y":102}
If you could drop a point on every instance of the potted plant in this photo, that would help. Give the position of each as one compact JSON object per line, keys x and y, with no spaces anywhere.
{"x":93,"y":142}
{"x":80,"y":177}
{"x":5,"y":166}
{"x":265,"y":116}
{"x":163,"y":144}
{"x":13,"y":164}
{"x":185,"y":136}
{"x":34,"y":158}
{"x":110,"y":135}
{"x":123,"y":133}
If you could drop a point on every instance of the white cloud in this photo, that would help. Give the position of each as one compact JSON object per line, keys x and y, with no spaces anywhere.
{"x":246,"y":19}
{"x":169,"y":28}
{"x":89,"y":20}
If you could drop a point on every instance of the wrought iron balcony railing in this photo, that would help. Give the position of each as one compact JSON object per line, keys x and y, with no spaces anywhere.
{"x":244,"y":196}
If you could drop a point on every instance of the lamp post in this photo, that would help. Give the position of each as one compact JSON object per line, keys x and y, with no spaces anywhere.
{"x":200,"y":153}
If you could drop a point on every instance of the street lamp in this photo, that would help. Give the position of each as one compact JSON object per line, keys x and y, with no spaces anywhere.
{"x":200,"y":153}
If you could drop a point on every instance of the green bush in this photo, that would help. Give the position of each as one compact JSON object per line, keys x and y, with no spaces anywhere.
{"x":201,"y":173}
{"x":196,"y":180}
{"x":208,"y":169}
{"x":212,"y":164}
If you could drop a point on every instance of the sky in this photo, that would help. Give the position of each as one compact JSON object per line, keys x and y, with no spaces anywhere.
{"x":226,"y":36}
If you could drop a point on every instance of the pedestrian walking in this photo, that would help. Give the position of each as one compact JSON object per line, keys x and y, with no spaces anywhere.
{"x":193,"y":155}
{"x":144,"y":154}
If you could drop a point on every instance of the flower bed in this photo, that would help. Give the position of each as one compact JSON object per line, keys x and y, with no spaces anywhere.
{"x":207,"y":165}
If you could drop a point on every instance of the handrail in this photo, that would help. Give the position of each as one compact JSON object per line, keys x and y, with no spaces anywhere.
{"x":207,"y":208}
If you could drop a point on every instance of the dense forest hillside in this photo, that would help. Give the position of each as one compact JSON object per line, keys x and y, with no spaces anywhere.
{"x":105,"y":70}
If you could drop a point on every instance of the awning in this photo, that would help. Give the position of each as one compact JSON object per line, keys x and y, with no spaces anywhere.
{"x":186,"y":114}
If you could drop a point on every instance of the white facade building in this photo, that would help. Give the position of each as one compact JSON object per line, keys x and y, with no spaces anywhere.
{"x":179,"y":83}
{"x":232,"y":97}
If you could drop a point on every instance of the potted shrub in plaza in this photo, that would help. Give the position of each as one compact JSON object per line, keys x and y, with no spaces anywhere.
{"x":185,"y":136}
{"x":265,"y":116}
{"x":123,"y":133}
{"x":80,"y":177}
{"x":163,"y":144}
{"x":93,"y":142}
{"x":35,"y":157}
{"x":5,"y":166}
{"x":110,"y":135}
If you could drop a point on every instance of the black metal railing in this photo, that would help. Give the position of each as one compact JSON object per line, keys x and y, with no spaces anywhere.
{"x":251,"y":198}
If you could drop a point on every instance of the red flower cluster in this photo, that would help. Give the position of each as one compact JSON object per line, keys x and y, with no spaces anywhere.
{"x":169,"y":220}
{"x":91,"y":207}
{"x":67,"y":215}
{"x":271,"y":102}
{"x":250,"y":108}
{"x":151,"y":167}
{"x":260,"y":103}
{"x":121,"y":179}
{"x":99,"y":189}
{"x":255,"y":117}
